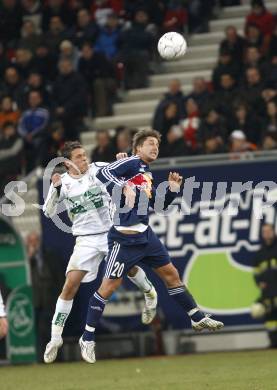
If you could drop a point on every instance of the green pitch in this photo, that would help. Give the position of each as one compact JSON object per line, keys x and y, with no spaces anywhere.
{"x":214,"y":371}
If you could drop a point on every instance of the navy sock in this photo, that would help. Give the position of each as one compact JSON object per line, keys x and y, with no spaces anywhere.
{"x":95,"y":310}
{"x":184,"y":298}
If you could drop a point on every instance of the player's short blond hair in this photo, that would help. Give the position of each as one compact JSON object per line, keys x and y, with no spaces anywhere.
{"x":141,"y":136}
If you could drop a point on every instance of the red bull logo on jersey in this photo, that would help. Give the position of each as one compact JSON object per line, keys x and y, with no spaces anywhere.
{"x":143,"y":182}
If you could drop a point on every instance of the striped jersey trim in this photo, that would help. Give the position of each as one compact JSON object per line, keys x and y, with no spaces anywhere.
{"x":111,"y":260}
{"x":107,"y":173}
{"x":177,"y":290}
{"x":97,"y":296}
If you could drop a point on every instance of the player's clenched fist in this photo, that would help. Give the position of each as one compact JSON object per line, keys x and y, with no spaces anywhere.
{"x":120,"y":156}
{"x":56,"y":180}
{"x":175,"y":181}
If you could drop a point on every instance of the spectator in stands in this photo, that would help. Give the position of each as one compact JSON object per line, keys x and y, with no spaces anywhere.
{"x":30,"y":39}
{"x":272,"y":52}
{"x":252,"y":89}
{"x":123,"y":141}
{"x":68,"y":51}
{"x":271,"y":73}
{"x":213,"y":144}
{"x":247,"y":121}
{"x":200,"y":93}
{"x":11,"y":152}
{"x":8,"y":112}
{"x":176,"y":17}
{"x":225,"y":96}
{"x":199,"y":14}
{"x":45,"y":62}
{"x":212,"y":126}
{"x":253,"y":58}
{"x":34,"y":82}
{"x":265,"y":274}
{"x":269,"y":142}
{"x":239,"y":144}
{"x":33,"y":129}
{"x":4,"y":62}
{"x":225,"y":65}
{"x":108,"y":37}
{"x":136,"y":50}
{"x":190,"y":125}
{"x":101,"y":9}
{"x":56,"y":34}
{"x":254,"y":37}
{"x":270,"y":122}
{"x":86,"y":30}
{"x":54,"y":143}
{"x":174,"y":145}
{"x":10,"y":22}
{"x":261,"y":17}
{"x":165,"y":119}
{"x":32,"y":10}
{"x":70,"y":99}
{"x":11,"y":84}
{"x":233,"y":44}
{"x":174,"y":95}
{"x":24,"y":62}
{"x":58,"y":8}
{"x":104,"y":150}
{"x":99,"y":74}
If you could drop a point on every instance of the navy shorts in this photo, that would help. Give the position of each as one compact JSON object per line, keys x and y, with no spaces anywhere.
{"x":126,"y":250}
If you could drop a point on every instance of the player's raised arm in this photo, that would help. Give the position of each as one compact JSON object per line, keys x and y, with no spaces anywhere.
{"x":164,"y":199}
{"x":54,"y":196}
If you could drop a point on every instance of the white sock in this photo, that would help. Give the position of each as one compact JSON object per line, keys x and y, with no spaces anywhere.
{"x":63,"y":308}
{"x":141,"y":281}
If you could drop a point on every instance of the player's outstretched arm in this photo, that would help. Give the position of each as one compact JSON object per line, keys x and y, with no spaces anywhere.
{"x":53,"y":197}
{"x":163,"y":199}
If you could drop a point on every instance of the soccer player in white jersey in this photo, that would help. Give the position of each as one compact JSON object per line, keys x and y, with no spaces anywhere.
{"x":3,"y":319}
{"x":88,"y":204}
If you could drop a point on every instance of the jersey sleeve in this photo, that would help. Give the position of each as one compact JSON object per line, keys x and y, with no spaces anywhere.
{"x":2,"y":307}
{"x":116,"y":174}
{"x":162,"y":199}
{"x":52,"y":200}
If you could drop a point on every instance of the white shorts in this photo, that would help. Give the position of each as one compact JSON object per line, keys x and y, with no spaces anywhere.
{"x":87,"y":255}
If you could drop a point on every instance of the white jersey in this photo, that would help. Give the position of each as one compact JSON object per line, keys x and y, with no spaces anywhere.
{"x":2,"y":307}
{"x":87,"y":202}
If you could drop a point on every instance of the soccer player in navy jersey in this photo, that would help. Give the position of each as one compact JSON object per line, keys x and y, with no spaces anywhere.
{"x":132,"y":240}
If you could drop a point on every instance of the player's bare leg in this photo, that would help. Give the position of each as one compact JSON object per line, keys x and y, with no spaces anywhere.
{"x":182,"y":296}
{"x":139,"y":278}
{"x":63,"y":308}
{"x":95,"y":310}
{"x":3,"y":327}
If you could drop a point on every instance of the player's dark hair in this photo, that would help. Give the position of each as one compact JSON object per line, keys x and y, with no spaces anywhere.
{"x":68,"y":148}
{"x":141,"y":136}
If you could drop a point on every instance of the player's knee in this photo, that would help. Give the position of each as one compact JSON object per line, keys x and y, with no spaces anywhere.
{"x":133,"y":271}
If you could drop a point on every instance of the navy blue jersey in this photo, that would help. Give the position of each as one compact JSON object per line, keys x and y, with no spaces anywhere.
{"x":135,"y":172}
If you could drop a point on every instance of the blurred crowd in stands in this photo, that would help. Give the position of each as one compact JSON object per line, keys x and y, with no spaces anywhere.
{"x":62,"y":61}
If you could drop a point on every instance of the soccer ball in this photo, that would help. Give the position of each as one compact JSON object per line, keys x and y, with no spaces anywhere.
{"x":172,"y":45}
